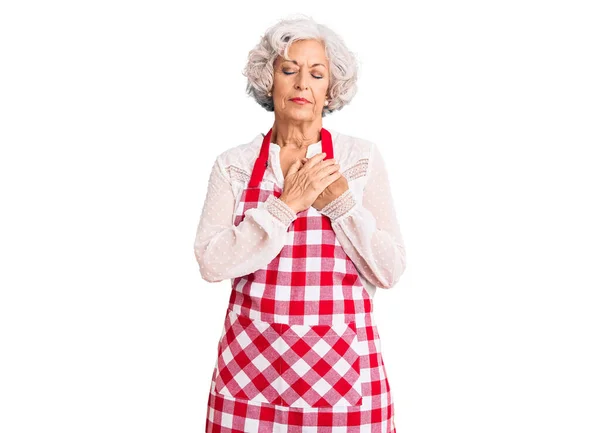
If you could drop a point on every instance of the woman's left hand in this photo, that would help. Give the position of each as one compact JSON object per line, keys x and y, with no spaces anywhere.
{"x":331,"y":192}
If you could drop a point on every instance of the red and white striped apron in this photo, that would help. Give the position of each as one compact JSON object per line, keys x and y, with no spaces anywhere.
{"x":300,"y":351}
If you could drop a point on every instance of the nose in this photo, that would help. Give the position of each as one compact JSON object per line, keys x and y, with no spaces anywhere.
{"x":302,"y":79}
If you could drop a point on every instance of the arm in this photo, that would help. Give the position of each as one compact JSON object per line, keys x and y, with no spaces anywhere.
{"x":369,"y":232}
{"x":225,"y":251}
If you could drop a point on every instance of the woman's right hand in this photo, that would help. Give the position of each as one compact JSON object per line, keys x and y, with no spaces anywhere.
{"x":304,"y":182}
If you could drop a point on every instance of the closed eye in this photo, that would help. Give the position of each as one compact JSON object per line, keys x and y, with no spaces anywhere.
{"x":290,"y":73}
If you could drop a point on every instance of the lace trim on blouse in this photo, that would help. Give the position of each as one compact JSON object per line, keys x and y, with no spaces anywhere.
{"x":238,"y":174}
{"x":339,"y":206}
{"x":280,"y":210}
{"x":357,"y":170}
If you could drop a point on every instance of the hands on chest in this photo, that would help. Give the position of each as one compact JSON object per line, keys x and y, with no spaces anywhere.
{"x":312,"y":182}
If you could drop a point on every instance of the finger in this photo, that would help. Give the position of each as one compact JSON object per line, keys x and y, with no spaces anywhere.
{"x":327,"y":162}
{"x":294,"y":167}
{"x":326,"y":169}
{"x":315,"y":159}
{"x":316,"y":169}
{"x":328,"y":180}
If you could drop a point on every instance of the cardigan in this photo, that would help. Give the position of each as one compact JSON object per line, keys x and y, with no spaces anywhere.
{"x":363,"y":218}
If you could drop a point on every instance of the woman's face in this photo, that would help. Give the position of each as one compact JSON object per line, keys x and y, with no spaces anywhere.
{"x":308,"y":78}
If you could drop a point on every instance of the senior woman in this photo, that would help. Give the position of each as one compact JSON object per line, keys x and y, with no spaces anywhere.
{"x":301,"y":219}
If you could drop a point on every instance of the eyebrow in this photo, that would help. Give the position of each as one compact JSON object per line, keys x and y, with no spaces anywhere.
{"x":296,"y":63}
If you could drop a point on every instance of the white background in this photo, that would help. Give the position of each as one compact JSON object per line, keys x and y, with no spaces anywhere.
{"x":111,"y":115}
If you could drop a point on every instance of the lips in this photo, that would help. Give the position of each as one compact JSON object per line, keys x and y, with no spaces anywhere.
{"x":300,"y":100}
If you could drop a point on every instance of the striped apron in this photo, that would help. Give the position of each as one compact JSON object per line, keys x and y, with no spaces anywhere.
{"x":299,"y":351}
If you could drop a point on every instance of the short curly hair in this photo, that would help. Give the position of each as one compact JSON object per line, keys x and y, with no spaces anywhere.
{"x":343,"y":64}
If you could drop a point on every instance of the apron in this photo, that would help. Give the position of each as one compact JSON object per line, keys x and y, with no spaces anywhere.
{"x":299,"y":351}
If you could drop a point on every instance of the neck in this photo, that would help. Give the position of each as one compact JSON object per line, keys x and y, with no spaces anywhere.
{"x":295,"y":135}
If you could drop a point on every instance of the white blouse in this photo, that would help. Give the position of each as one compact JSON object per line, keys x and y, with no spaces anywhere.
{"x":363,"y":217}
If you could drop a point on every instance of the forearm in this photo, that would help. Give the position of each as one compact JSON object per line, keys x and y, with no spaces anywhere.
{"x":225,"y":252}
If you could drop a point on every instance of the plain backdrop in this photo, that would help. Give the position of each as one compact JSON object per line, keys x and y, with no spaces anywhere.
{"x":112,"y":113}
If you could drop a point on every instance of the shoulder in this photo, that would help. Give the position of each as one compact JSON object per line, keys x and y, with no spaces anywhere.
{"x":353,"y":153}
{"x":350,"y":144}
{"x":237,"y":162}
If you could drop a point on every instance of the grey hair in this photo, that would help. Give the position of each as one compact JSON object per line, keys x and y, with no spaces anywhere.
{"x":343,"y":64}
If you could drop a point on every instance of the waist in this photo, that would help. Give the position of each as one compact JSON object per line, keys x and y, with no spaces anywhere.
{"x":359,"y":318}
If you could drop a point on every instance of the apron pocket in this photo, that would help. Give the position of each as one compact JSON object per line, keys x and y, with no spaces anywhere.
{"x":247,"y":360}
{"x":289,"y":365}
{"x":320,"y":365}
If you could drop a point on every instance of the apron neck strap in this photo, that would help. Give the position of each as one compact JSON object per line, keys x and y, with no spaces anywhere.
{"x":260,"y":164}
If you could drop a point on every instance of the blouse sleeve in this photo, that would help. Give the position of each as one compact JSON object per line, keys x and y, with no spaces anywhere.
{"x":224,"y":250}
{"x":369,"y":231}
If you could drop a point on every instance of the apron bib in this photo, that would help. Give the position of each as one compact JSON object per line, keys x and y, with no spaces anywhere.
{"x":299,"y":347}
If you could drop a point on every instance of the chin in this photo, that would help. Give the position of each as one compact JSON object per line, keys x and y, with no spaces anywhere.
{"x":301,"y":115}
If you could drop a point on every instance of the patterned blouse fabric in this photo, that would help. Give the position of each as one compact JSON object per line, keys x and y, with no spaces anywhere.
{"x":363,"y":217}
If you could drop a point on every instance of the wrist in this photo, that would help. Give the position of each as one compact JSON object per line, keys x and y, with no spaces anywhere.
{"x":280,"y":210}
{"x":340,"y":206}
{"x":289,"y":204}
